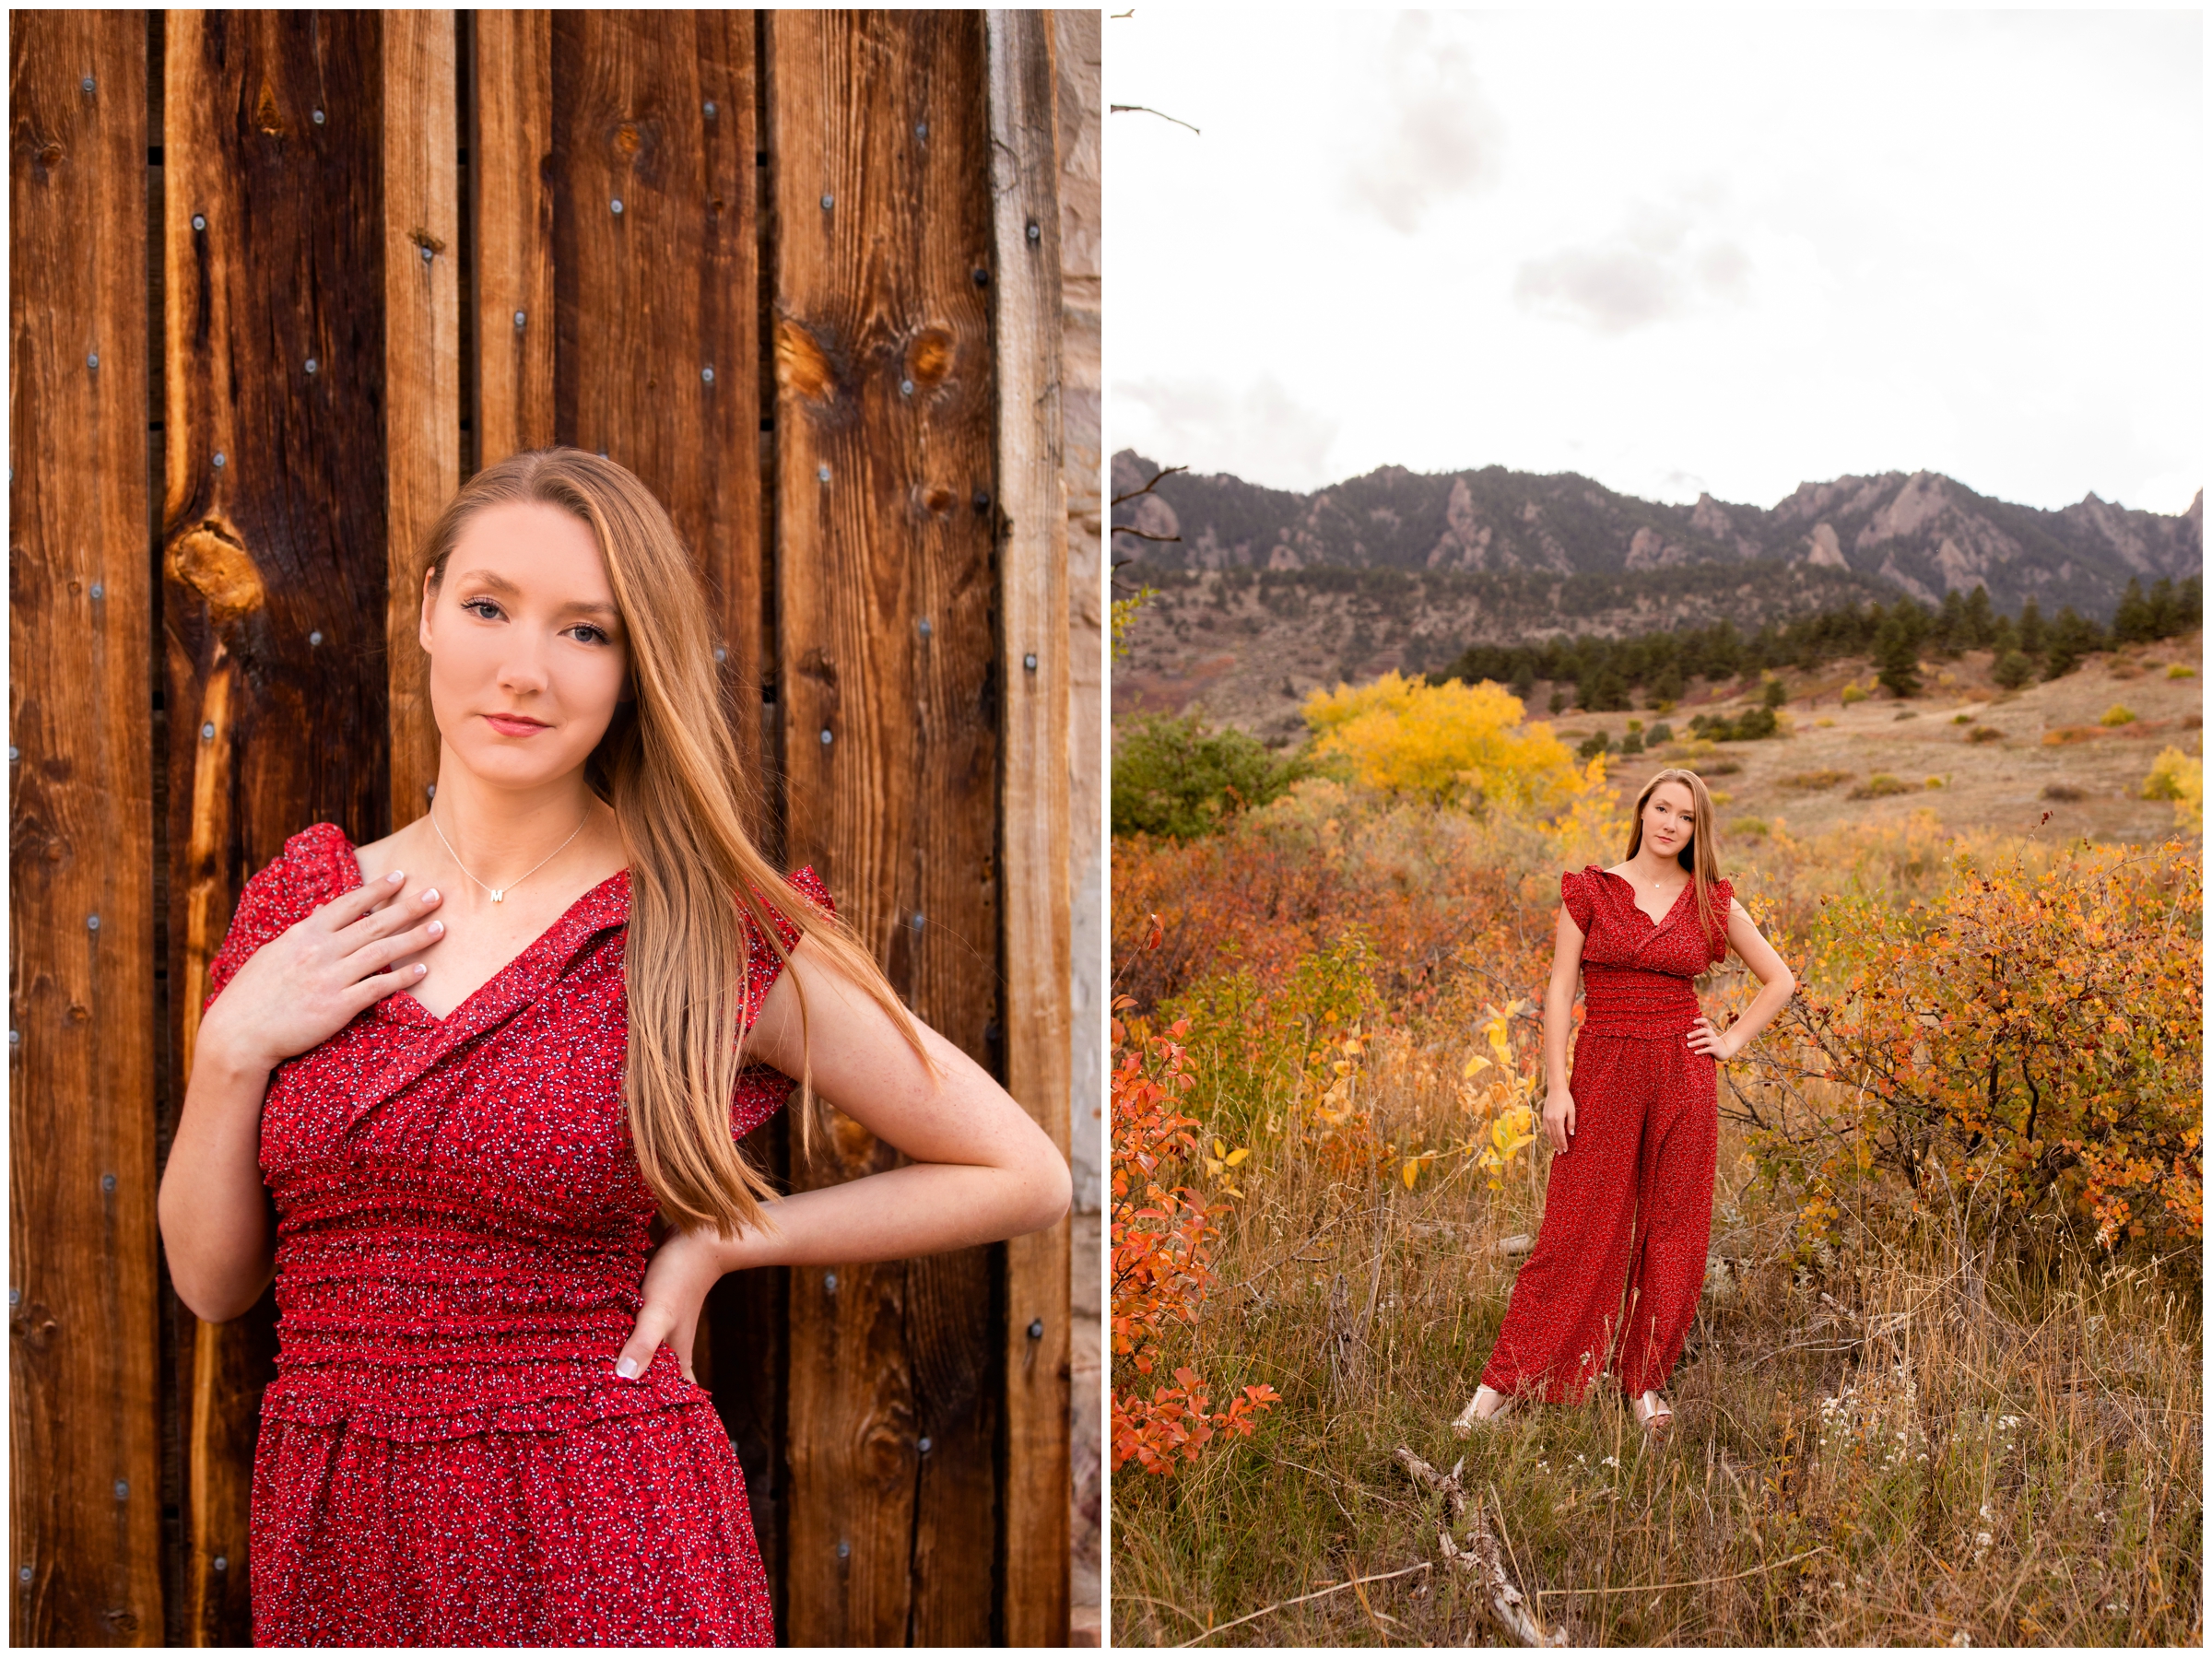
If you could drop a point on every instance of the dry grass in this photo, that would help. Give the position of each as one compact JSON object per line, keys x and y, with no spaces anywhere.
{"x":1911,"y":1439}
{"x":1945,"y":1442}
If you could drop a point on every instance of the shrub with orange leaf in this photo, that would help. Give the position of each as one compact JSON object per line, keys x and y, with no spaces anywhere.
{"x":1161,"y":1238}
{"x":2030,"y":1037}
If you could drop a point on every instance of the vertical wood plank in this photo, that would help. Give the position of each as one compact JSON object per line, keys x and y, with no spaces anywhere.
{"x":1033,"y":822}
{"x":274,"y":559}
{"x":1078,"y":115}
{"x":422,"y":363}
{"x":657,"y":355}
{"x":513,"y":207}
{"x":84,"y":1470}
{"x":889,"y":686}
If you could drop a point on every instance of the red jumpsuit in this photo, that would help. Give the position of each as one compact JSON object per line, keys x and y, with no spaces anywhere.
{"x":1629,"y":1203}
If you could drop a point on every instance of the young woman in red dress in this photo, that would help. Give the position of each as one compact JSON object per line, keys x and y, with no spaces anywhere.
{"x":1628,"y":1206}
{"x":444,"y":1082}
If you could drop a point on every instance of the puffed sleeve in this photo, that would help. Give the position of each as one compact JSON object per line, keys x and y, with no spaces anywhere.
{"x":1574,"y":892}
{"x":1724,"y":898}
{"x":762,"y":964}
{"x":286,"y":890}
{"x":762,"y":1089}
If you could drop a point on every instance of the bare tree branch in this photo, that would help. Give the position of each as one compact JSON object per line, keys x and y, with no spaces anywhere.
{"x":1139,"y":109}
{"x":1133,"y":494}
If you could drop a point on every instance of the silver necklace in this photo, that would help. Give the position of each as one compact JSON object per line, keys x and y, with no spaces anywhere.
{"x":499,"y":893}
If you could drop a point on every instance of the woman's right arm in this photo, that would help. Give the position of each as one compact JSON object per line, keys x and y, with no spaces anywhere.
{"x":297,"y":990}
{"x":1559,"y":1014}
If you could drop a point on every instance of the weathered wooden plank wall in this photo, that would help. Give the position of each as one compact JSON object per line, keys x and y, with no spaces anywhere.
{"x":1033,"y":664}
{"x":389,"y":250}
{"x":879,"y":165}
{"x":84,"y":1500}
{"x":272,"y":545}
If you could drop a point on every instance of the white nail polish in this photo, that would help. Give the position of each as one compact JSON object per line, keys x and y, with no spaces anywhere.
{"x":431,"y":896}
{"x":395,"y":877}
{"x":628,"y":1369}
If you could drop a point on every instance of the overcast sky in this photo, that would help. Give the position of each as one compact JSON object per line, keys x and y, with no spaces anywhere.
{"x":1672,"y":253}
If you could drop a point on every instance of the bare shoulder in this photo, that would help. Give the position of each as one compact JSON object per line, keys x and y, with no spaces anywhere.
{"x":382,"y":856}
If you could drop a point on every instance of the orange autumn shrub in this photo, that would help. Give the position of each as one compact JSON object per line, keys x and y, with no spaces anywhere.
{"x":1161,"y":1236}
{"x":2030,"y":1038}
{"x":1431,"y":891}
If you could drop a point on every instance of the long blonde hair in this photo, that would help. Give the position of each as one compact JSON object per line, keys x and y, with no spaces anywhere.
{"x":668,"y":767}
{"x":1698,"y":857}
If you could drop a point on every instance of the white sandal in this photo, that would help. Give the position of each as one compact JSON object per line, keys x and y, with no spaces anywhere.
{"x":1469,"y":1420}
{"x":1653,"y":1414}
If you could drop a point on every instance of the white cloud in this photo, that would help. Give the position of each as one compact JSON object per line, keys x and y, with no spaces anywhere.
{"x":1748,"y":250}
{"x":1439,"y":136}
{"x":1261,"y":434}
{"x":1652,"y":268}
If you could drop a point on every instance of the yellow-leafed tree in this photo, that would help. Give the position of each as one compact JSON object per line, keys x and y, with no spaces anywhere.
{"x":2179,"y":777}
{"x":1451,"y":741}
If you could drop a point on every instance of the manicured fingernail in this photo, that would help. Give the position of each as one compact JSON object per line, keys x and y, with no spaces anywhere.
{"x":435,"y":927}
{"x":395,"y":877}
{"x":421,"y":968}
{"x":628,"y":1369}
{"x":430,"y":895}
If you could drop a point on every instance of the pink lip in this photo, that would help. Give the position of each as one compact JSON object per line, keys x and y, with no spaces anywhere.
{"x":514,"y":724}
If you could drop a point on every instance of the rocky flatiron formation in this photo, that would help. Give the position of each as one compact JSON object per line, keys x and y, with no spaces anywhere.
{"x":1922,"y":534}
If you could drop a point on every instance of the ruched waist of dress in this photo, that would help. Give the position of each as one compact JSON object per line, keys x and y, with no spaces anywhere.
{"x":414,"y":1330}
{"x":1638,"y":1006}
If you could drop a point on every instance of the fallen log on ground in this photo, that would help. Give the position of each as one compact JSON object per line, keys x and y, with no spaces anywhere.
{"x":1481,"y":1556}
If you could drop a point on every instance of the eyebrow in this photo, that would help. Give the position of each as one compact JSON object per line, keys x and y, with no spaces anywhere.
{"x":500,"y":584}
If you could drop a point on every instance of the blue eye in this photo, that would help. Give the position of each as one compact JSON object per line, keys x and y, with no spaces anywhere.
{"x":478,"y":607}
{"x":591,"y":634}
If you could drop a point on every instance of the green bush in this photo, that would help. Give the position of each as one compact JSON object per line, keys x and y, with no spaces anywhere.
{"x":2012,"y":670}
{"x":1174,"y":778}
{"x":1662,"y":731}
{"x":1880,"y":785}
{"x":1748,"y":726}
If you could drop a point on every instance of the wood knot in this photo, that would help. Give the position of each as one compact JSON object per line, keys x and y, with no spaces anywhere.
{"x":803,"y":367}
{"x":818,"y":667}
{"x":210,"y":559}
{"x":628,"y":140}
{"x":423,"y":238}
{"x":929,"y":357}
{"x":937,"y":500}
{"x":266,"y":115}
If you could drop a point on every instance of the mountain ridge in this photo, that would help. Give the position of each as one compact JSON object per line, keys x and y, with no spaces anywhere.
{"x":1922,"y":533}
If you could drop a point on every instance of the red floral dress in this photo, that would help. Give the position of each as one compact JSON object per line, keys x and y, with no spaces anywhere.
{"x":447,"y":1456}
{"x":1614,"y":1280}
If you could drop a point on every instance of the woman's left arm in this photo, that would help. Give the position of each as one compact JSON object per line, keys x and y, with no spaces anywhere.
{"x":980,"y":1169}
{"x":1777,"y":984}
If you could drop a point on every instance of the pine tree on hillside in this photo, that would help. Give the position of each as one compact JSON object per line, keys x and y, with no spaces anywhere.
{"x":2133,"y":621}
{"x":1899,"y":657}
{"x":1981,"y":625}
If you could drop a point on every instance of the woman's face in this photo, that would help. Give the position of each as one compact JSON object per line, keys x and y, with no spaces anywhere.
{"x":1669,"y":817}
{"x":527,"y":653}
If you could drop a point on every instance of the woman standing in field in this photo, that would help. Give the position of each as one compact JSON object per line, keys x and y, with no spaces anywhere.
{"x":445,"y":1084}
{"x":1629,"y":1202}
